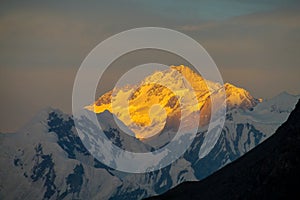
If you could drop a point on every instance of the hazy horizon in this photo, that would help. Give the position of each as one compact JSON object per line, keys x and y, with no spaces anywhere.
{"x":255,"y":46}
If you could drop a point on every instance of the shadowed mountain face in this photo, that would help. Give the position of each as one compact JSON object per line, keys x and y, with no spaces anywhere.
{"x":46,"y":159}
{"x":270,"y":171}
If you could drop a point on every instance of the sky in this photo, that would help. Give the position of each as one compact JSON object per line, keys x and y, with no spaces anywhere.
{"x":255,"y":45}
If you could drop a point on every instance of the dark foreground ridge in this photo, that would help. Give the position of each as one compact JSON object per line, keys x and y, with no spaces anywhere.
{"x":270,"y":171}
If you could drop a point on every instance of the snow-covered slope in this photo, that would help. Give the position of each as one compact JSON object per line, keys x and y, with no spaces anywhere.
{"x":137,"y":105}
{"x":47,"y":160}
{"x":275,"y":109}
{"x":239,"y":97}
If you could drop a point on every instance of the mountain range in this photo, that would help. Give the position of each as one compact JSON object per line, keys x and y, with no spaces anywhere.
{"x":47,"y":160}
{"x":270,"y":171}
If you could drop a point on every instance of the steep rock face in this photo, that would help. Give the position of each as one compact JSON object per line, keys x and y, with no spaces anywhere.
{"x":270,"y":171}
{"x":239,"y":97}
{"x":46,"y":160}
{"x":160,"y":96}
{"x":49,"y":161}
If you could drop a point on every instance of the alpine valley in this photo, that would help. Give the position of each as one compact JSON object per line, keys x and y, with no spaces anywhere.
{"x":47,"y":160}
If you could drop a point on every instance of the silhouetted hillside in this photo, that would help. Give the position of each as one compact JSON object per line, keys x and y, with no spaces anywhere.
{"x":270,"y":171}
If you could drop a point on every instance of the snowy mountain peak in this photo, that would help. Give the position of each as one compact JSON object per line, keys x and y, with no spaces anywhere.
{"x":187,"y":72}
{"x":281,"y":103}
{"x":158,"y":96}
{"x":285,"y":95}
{"x":239,"y":98}
{"x":47,"y":159}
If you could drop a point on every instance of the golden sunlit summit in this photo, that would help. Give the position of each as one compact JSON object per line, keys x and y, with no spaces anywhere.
{"x":157,"y":98}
